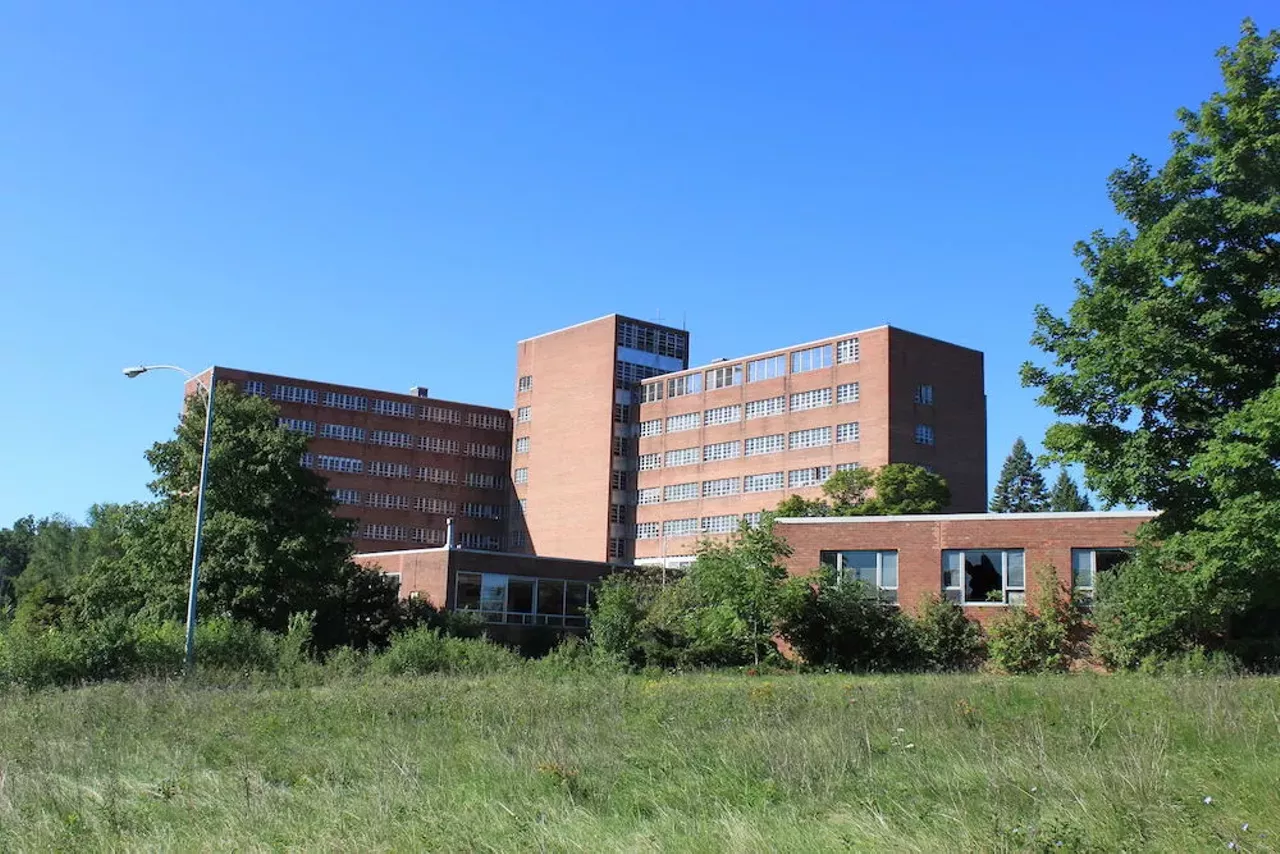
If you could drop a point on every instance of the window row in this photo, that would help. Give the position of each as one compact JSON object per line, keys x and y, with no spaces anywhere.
{"x":482,"y":511}
{"x":661,"y":342}
{"x":814,"y":437}
{"x":757,"y":370}
{"x":688,"y":527}
{"x":484,"y":480}
{"x":532,"y":601}
{"x":427,"y":536}
{"x":799,"y":402}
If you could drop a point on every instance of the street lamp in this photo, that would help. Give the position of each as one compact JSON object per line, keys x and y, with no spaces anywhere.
{"x":204,"y":479}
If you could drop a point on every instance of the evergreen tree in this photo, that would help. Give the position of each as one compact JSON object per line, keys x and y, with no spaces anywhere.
{"x":1066,"y":497}
{"x":1021,"y":487}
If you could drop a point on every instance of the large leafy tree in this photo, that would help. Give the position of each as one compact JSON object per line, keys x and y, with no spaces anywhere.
{"x":1166,"y":369}
{"x":1021,"y":486}
{"x":273,"y":546}
{"x":16,"y":543}
{"x":1065,"y":496}
{"x":1176,"y":323}
{"x":897,"y":489}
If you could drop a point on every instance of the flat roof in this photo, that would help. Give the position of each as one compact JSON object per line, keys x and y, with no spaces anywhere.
{"x":653,"y":323}
{"x":485,"y":552}
{"x":403,"y":394}
{"x":969,"y":517}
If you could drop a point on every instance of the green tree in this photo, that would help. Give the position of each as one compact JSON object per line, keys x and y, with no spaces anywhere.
{"x":902,"y":489}
{"x":1066,"y":497}
{"x":795,"y":505}
{"x":1021,"y":487}
{"x":1165,"y":368}
{"x":272,"y":546}
{"x":848,"y":490}
{"x":15,"y":551}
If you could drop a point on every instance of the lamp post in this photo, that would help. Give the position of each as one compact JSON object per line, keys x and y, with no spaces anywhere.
{"x":204,"y":479}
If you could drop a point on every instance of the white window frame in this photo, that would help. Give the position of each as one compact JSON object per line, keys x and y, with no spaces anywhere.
{"x":774,"y":443}
{"x":886,"y":564}
{"x":766,"y":407}
{"x":811,"y":359}
{"x":847,"y":393}
{"x":955,"y":576}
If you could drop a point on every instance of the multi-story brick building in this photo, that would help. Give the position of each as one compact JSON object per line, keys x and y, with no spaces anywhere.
{"x":622,"y":452}
{"x":399,"y":464}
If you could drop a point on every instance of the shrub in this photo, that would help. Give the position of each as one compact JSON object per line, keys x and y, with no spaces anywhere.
{"x":1146,"y":611}
{"x":223,"y":643}
{"x":841,"y":625}
{"x":1039,"y":637}
{"x":947,"y":640}
{"x":616,"y":618}
{"x":1197,"y":662}
{"x":574,"y":655}
{"x":423,"y":650}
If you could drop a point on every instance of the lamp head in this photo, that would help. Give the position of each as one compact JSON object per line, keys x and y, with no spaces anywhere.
{"x":134,"y":371}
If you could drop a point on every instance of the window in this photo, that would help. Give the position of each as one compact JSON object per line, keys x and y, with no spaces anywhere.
{"x":687,"y":384}
{"x":811,"y":359}
{"x":815,"y":437}
{"x":651,"y":392}
{"x":802,"y":400}
{"x":719,"y":524}
{"x":651,"y":339}
{"x":848,"y":466}
{"x":439,"y":506}
{"x":721,"y":451}
{"x":688,"y":421}
{"x":521,"y":475}
{"x":381,"y":469}
{"x":346,"y":465}
{"x":484,"y":480}
{"x":765,"y":445}
{"x":723,"y":486}
{"x":522,"y":414}
{"x":307,"y":460}
{"x":617,"y":547}
{"x":770,"y":406}
{"x":767,"y":368}
{"x":679,"y":527}
{"x":487,"y":542}
{"x":680,"y":492}
{"x":730,"y":375}
{"x":847,"y":351}
{"x":435,"y":475}
{"x":429,"y":536}
{"x":345,"y":432}
{"x":441,"y":414}
{"x":386,"y":501}
{"x":524,"y":505}
{"x":762,"y":482}
{"x":255,"y":388}
{"x":516,"y":538}
{"x":621,"y":446}
{"x":800,"y":478}
{"x":1085,"y":566}
{"x":877,"y":571}
{"x":924,"y":395}
{"x":384,"y":532}
{"x":482,"y":511}
{"x":647,"y":531}
{"x":391,"y":439}
{"x":649,"y":495}
{"x":650,"y":461}
{"x":651,"y":428}
{"x":847,"y":393}
{"x":295,"y":394}
{"x":924,"y":434}
{"x":525,"y":383}
{"x":622,"y":413}
{"x":522,"y":445}
{"x":682,"y":457}
{"x":619,"y":480}
{"x":984,"y":576}
{"x":628,"y":375}
{"x":847,"y":433}
{"x":438,"y":445}
{"x":346,"y":496}
{"x":723,"y":415}
{"x":338,"y":400}
{"x":752,"y":519}
{"x":486,"y":421}
{"x":298,"y":425}
{"x":487,"y":452}
{"x":395,"y":408}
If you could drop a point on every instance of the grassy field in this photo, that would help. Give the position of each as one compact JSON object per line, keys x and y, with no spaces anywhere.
{"x":526,"y":762}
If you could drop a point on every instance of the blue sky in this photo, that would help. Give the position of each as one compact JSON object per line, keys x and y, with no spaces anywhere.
{"x":389,"y":194}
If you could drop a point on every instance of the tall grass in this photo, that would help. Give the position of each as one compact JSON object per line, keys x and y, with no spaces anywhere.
{"x":524,"y":761}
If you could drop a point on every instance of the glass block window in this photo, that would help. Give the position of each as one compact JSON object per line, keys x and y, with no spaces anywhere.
{"x":339,"y":400}
{"x":647,"y":531}
{"x":800,"y":478}
{"x":523,"y":414}
{"x":649,"y":495}
{"x":924,"y":434}
{"x":848,"y":466}
{"x":650,"y":461}
{"x":346,"y":465}
{"x":847,"y":433}
{"x":522,"y":445}
{"x":345,"y":432}
{"x":378,"y":468}
{"x":765,"y":444}
{"x":680,"y":492}
{"x":520,"y":475}
{"x":722,"y":486}
{"x":682,"y":457}
{"x":680,"y":527}
{"x":723,"y":415}
{"x":395,"y":408}
{"x":762,"y":482}
{"x":391,"y":438}
{"x":924,"y":395}
{"x":719,"y":524}
{"x":688,"y":421}
{"x":769,"y":406}
{"x":524,"y":384}
{"x":814,"y":437}
{"x":815,"y":399}
{"x":651,"y":428}
{"x":721,"y":451}
{"x":295,"y":394}
{"x":847,"y":393}
{"x":847,"y":351}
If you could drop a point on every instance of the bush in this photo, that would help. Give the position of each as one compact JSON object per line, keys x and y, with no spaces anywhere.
{"x":423,"y":650}
{"x":616,"y":617}
{"x":1039,"y":637}
{"x":1146,"y":611}
{"x":946,"y":639}
{"x":841,"y":625}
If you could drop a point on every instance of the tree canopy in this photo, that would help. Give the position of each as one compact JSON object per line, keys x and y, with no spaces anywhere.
{"x":897,"y":489}
{"x":1066,"y":497}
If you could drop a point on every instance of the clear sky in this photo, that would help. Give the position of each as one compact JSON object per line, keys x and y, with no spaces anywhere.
{"x":393,"y":193}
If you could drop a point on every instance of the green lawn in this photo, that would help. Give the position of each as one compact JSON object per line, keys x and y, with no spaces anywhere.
{"x":529,"y":762}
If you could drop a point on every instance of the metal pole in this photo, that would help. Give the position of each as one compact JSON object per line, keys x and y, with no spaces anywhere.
{"x":195,"y":552}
